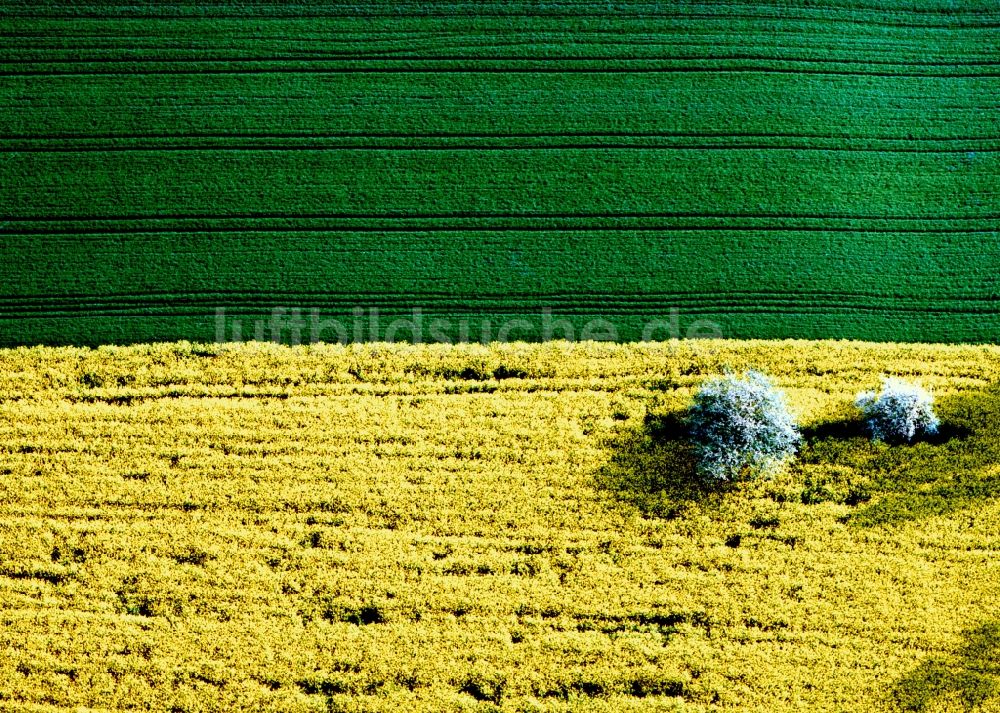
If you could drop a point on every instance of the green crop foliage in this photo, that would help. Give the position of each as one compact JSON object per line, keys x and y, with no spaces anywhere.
{"x":513,"y":528}
{"x":799,"y":168}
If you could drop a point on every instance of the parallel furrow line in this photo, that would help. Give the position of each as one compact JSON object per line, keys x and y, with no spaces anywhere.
{"x":265,"y":215}
{"x":502,"y":70}
{"x":228,"y":148}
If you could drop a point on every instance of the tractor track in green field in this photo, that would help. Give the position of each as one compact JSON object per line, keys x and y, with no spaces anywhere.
{"x":640,"y":143}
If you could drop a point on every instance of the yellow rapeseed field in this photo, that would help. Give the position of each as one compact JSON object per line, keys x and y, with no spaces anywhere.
{"x":470,"y":528}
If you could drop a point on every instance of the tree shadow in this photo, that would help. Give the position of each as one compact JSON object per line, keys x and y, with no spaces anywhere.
{"x":969,"y":678}
{"x":653,"y":467}
{"x":848,"y":428}
{"x":950,"y":471}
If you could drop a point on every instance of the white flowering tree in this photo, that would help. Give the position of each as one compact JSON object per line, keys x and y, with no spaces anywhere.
{"x":741,"y":426}
{"x":901,"y":413}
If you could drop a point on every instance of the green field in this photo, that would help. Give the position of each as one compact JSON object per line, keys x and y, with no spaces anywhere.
{"x":809,"y":169}
{"x":508,"y":528}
